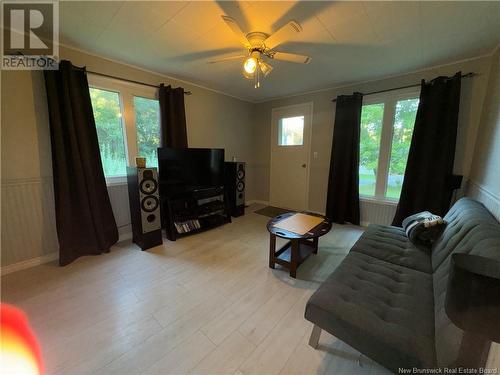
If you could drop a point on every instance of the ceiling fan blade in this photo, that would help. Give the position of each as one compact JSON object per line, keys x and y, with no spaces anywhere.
{"x":228,"y":58}
{"x":233,"y":25}
{"x":265,"y":68}
{"x":283,"y":34}
{"x":291,"y":57}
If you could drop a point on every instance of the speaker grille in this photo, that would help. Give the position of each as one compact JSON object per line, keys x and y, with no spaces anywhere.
{"x":150,"y":203}
{"x":235,"y":187}
{"x":240,"y":184}
{"x":148,"y":186}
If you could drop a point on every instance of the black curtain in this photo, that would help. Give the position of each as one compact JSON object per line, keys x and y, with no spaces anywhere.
{"x":84,"y":219}
{"x":429,"y":181}
{"x":172,"y":117}
{"x":342,"y":202}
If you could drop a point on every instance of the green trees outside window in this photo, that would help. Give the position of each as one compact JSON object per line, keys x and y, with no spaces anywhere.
{"x":147,"y":122}
{"x":108,"y":120}
{"x":371,"y":150}
{"x":107,"y":108}
{"x":404,"y":119}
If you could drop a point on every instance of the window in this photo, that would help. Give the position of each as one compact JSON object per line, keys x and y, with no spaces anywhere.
{"x":147,"y":122}
{"x":127,"y":122}
{"x":369,"y":148}
{"x":108,"y":120}
{"x":404,"y":119}
{"x":385,"y":138}
{"x":291,"y":131}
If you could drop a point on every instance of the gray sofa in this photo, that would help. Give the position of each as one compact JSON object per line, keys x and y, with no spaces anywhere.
{"x":386,"y":298}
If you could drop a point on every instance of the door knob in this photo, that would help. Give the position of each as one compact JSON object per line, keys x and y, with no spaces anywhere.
{"x":303,"y":165}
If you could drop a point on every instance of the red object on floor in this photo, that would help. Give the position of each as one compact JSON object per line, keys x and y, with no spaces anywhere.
{"x":19,"y":347}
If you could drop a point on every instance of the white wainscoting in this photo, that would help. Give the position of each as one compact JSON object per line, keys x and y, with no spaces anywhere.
{"x":376,"y":212}
{"x":486,"y":197}
{"x":28,"y":220}
{"x":29,"y":236}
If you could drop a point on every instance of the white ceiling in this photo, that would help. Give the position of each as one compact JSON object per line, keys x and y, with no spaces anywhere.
{"x":348,"y":41}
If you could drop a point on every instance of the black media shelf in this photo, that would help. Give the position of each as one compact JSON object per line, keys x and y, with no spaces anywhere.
{"x":194,"y":212}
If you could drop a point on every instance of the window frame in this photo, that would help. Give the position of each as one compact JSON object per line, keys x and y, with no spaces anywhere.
{"x":126,"y":92}
{"x":389,"y":99}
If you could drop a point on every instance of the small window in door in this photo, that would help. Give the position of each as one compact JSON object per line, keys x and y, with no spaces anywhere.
{"x":291,"y":131}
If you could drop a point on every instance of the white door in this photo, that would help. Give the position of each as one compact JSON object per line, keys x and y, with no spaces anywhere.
{"x":290,"y":143}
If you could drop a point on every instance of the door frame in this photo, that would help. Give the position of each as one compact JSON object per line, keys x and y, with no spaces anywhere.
{"x":310,"y":108}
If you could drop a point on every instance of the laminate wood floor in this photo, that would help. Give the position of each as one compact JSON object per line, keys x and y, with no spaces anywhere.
{"x":206,"y":304}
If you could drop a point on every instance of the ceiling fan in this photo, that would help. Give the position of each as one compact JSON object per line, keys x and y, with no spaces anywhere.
{"x":261,"y":45}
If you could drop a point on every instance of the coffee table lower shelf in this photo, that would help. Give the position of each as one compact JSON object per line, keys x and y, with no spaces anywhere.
{"x":286,"y":257}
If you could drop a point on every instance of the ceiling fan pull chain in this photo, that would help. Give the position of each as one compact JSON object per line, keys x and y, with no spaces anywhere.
{"x":257,"y":75}
{"x":255,"y":78}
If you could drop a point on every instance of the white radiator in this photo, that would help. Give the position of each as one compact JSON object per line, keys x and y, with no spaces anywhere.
{"x":373,"y":212}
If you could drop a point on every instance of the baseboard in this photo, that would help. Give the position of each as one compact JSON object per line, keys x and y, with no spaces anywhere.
{"x":255,"y":201}
{"x":125,"y":236}
{"x":317,"y":212}
{"x":124,"y":232}
{"x":33,"y":262}
{"x":29,"y":263}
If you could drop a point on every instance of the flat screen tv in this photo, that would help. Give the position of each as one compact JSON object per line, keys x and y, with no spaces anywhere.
{"x":188,"y":169}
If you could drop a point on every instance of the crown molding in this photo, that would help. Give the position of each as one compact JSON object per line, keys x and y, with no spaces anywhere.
{"x":382,"y":78}
{"x":256,"y":101}
{"x":145,"y":70}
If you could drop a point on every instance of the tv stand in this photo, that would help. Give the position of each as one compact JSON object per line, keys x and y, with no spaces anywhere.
{"x":194,"y":212}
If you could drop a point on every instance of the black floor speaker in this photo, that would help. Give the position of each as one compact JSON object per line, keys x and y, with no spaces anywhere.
{"x":144,"y":206}
{"x":234,"y":176}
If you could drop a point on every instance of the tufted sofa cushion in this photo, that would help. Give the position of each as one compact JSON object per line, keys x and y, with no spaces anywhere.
{"x":384,"y":310}
{"x":391,"y":244}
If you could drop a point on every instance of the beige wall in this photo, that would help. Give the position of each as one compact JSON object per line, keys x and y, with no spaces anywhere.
{"x":214,"y":120}
{"x":485,"y":174}
{"x":28,"y":230}
{"x":486,"y":166}
{"x":473,"y":91}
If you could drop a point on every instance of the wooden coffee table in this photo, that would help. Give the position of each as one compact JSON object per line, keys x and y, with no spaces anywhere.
{"x":299,"y":247}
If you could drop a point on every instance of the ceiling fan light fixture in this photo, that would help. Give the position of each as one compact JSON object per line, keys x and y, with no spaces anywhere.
{"x":265,"y":68}
{"x":250,"y":65}
{"x":261,"y":45}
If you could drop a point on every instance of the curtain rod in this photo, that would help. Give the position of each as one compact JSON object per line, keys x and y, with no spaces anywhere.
{"x":467,"y":75}
{"x":119,"y":78}
{"x":130,"y":80}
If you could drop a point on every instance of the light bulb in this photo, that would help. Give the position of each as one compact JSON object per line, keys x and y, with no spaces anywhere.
{"x":250,"y":65}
